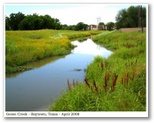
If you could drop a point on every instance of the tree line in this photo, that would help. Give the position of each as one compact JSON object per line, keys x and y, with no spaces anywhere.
{"x":19,"y":21}
{"x":126,"y":18}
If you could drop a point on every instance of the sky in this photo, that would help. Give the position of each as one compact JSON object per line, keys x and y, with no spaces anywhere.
{"x":71,"y":14}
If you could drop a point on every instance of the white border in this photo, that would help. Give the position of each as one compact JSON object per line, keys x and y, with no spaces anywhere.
{"x":147,"y":63}
{"x":4,"y":58}
{"x":112,"y":114}
{"x":75,"y":114}
{"x":81,"y":114}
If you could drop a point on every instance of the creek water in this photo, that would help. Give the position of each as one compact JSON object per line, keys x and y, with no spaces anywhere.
{"x":36,"y":89}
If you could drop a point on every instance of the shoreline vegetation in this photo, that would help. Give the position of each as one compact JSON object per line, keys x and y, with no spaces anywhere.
{"x":23,"y":47}
{"x":117,"y":83}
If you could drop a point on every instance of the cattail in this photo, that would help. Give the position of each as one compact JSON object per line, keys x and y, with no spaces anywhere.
{"x":114,"y":83}
{"x":105,"y":85}
{"x":87,"y":83}
{"x":69,"y":85}
{"x":107,"y":76}
{"x":115,"y":79}
{"x":96,"y":88}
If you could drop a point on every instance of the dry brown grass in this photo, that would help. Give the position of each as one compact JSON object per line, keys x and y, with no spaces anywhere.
{"x":132,"y":29}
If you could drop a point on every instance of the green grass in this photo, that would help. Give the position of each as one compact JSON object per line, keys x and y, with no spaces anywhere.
{"x":114,"y":84}
{"x":23,"y":47}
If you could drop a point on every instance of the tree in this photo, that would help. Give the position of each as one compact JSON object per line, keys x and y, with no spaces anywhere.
{"x":85,"y":26}
{"x":132,"y":16}
{"x":7,"y":25}
{"x":57,"y":24}
{"x":129,"y":17}
{"x":35,"y":22}
{"x":28,"y":23}
{"x":18,"y":21}
{"x":81,"y":26}
{"x":64,"y":27}
{"x":101,"y":24}
{"x":38,"y":22}
{"x":31,"y":22}
{"x":47,"y":22}
{"x":72,"y":27}
{"x":110,"y":26}
{"x":144,"y":16}
{"x":121,"y":19}
{"x":15,"y":19}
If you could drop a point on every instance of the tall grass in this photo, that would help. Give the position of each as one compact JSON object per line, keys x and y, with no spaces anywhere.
{"x":21,"y":50}
{"x":23,"y":47}
{"x":114,"y":84}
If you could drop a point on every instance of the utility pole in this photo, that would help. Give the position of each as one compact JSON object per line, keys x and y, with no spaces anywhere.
{"x":140,"y":23}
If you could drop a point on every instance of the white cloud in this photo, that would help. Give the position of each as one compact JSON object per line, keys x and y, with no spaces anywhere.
{"x":87,"y":13}
{"x":71,"y":14}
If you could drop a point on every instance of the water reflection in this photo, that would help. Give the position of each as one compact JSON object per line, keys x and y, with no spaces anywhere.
{"x":89,"y":47}
{"x":37,"y":64}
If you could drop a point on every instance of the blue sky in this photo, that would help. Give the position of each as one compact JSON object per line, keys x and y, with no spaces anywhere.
{"x":70,"y":13}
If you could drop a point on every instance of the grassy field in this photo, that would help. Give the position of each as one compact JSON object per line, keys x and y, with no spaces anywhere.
{"x":23,"y":47}
{"x":114,"y":84}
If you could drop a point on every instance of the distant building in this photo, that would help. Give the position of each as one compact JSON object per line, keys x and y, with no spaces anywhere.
{"x":95,"y":27}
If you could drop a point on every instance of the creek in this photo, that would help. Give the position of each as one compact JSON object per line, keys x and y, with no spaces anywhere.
{"x":36,"y":89}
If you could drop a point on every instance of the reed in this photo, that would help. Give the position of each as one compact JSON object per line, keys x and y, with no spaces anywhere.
{"x":102,"y":66}
{"x":106,"y":78}
{"x":123,"y":75}
{"x":87,"y":83}
{"x":96,"y":88}
{"x":114,"y":83}
{"x":69,"y":85}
